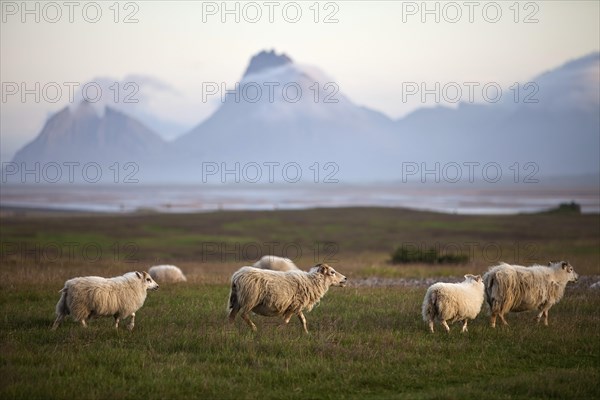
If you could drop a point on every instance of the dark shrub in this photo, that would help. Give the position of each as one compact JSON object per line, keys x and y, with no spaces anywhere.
{"x":403,"y":255}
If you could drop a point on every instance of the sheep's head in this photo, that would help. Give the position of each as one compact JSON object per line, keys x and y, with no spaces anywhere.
{"x":566,"y":268}
{"x":331,"y":275}
{"x":474,"y":278}
{"x":147,"y":279}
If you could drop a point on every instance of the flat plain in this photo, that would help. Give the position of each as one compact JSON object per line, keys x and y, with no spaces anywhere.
{"x":366,"y":340}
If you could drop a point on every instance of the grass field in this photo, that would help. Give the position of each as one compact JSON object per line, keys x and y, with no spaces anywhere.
{"x":365,"y":341}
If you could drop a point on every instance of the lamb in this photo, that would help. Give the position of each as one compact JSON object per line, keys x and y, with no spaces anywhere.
{"x":277,"y":293}
{"x":167,"y":274}
{"x":94,"y":296}
{"x":517,"y":288}
{"x":276,"y":264}
{"x":453,"y":301}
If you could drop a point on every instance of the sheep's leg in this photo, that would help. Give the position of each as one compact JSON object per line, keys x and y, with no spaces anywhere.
{"x":246,"y":318}
{"x":58,"y":321}
{"x":445,"y":324}
{"x":303,"y":320}
{"x":117,"y":320}
{"x":493,"y":320}
{"x":546,"y":317}
{"x":431,"y":325}
{"x":502,"y":319}
{"x":131,"y":323}
{"x":232,"y":315}
{"x":83,"y":323}
{"x":464,"y":328}
{"x":287,"y":316}
{"x":538,"y":317}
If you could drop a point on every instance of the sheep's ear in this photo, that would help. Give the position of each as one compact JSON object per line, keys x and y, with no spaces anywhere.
{"x":139,"y":275}
{"x":320,"y":268}
{"x":564,"y":264}
{"x":478,"y":278}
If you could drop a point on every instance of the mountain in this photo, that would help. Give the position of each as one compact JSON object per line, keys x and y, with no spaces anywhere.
{"x":559,"y":131}
{"x":283,"y":112}
{"x":82,"y":136}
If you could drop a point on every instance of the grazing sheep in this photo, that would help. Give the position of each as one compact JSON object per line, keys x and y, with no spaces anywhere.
{"x":272,"y":293}
{"x":167,"y":274}
{"x":93,"y":296}
{"x":517,"y":288}
{"x":276,"y":264}
{"x":453,"y":301}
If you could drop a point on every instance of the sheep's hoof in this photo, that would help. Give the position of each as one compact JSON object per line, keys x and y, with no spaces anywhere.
{"x":130,"y":327}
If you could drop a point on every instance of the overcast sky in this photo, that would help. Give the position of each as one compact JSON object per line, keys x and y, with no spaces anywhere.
{"x":369,"y":49}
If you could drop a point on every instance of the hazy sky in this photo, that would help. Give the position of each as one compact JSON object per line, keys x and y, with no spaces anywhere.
{"x":370,"y":52}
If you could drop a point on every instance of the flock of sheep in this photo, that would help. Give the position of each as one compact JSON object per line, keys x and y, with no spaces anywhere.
{"x":274,"y":286}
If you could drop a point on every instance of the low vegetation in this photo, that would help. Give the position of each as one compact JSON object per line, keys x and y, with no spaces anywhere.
{"x":566,"y":208}
{"x":403,"y":255}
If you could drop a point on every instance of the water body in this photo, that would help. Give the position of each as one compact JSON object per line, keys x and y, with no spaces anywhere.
{"x":448,"y":198}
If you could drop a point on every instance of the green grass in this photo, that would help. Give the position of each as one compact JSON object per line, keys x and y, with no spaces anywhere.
{"x":364,"y":342}
{"x":157,"y":237}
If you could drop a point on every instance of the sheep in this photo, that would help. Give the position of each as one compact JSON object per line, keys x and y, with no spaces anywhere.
{"x":517,"y":288}
{"x":453,"y":301}
{"x":94,"y":296}
{"x":277,"y":293}
{"x":167,"y":274}
{"x":276,"y":264}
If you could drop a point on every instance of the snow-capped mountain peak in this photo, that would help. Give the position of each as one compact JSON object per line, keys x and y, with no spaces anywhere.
{"x":266,"y":60}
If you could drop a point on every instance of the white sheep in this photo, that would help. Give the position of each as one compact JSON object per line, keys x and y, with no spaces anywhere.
{"x":167,"y":274}
{"x":276,"y":293}
{"x":276,"y":264}
{"x":94,"y":296}
{"x":453,"y":301}
{"x":517,"y":288}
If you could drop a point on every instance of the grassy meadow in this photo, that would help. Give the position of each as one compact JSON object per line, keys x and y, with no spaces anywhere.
{"x":366,"y":340}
